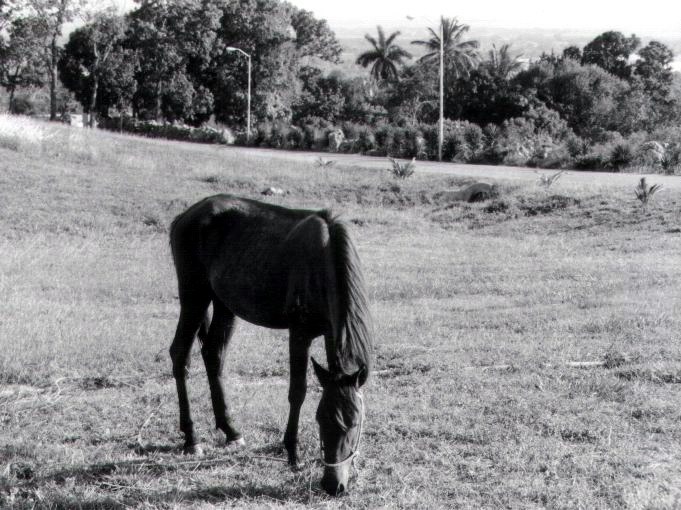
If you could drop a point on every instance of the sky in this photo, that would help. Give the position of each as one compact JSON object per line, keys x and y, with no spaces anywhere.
{"x":654,"y":17}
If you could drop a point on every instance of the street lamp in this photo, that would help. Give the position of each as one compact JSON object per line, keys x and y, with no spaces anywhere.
{"x":248,"y":108}
{"x":442,"y":88}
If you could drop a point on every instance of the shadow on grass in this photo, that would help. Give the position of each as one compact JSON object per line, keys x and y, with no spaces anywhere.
{"x":213,"y":495}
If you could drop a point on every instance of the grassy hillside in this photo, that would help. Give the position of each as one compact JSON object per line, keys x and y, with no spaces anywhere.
{"x":478,"y":310}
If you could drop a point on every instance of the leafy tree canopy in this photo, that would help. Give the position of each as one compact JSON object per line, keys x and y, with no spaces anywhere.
{"x":611,"y":51}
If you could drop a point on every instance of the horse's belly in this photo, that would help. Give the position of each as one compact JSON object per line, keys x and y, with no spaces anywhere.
{"x":258,"y":302}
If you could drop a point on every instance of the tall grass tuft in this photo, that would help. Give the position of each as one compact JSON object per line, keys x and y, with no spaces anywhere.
{"x":402,"y":170}
{"x":548,"y":180}
{"x":644,"y":192}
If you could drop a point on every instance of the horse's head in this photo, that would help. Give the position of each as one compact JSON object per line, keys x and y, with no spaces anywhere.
{"x":340,"y":416}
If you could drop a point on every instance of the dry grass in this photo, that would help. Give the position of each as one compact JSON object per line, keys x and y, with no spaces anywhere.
{"x":477,"y":308}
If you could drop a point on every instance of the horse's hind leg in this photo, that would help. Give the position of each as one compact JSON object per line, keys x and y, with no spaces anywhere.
{"x":192,"y":315}
{"x":213,"y":351}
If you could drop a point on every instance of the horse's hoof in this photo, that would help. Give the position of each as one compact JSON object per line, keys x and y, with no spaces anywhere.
{"x":192,"y":449}
{"x":297,"y":467}
{"x":236,"y":443}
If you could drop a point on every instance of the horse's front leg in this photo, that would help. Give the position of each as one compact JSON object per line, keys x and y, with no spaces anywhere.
{"x":299,"y":351}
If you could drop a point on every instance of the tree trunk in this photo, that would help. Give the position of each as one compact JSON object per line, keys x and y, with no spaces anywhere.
{"x":53,"y":79}
{"x":93,"y":101}
{"x":11,"y":100}
{"x":157,"y":113}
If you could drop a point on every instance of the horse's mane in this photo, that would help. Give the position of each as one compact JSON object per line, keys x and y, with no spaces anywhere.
{"x":353,"y":336}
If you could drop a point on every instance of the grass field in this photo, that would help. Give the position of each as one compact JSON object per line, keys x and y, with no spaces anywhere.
{"x":479,"y":308}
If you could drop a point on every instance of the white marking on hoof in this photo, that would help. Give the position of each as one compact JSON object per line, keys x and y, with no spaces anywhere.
{"x":196,"y":449}
{"x":237,"y":443}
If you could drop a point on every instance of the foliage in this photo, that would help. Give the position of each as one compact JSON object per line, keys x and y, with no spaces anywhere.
{"x":153,"y":129}
{"x":314,"y":38}
{"x":20,"y":63}
{"x":501,"y":63}
{"x":644,"y":192}
{"x":401,"y":170}
{"x":586,"y":96}
{"x":621,"y":156}
{"x":484,"y":98}
{"x":51,"y":16}
{"x":321,"y":96}
{"x":611,"y":51}
{"x":95,"y":66}
{"x":654,"y":68}
{"x":384,"y":56}
{"x":324,"y":163}
{"x":460,"y":56}
{"x":546,"y":180}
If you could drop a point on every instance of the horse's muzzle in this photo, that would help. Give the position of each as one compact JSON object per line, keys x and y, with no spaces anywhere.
{"x":335,"y":481}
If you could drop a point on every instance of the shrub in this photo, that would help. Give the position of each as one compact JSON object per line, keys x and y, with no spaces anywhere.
{"x":644,"y":192}
{"x":384,"y":135}
{"x":621,"y":156}
{"x":401,"y":170}
{"x":313,"y":137}
{"x":591,"y":161}
{"x":671,"y":159}
{"x":295,"y":138}
{"x":155,"y":129}
{"x":366,"y":141}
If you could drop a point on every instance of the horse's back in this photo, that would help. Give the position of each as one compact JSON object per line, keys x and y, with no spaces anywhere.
{"x":239,"y":248}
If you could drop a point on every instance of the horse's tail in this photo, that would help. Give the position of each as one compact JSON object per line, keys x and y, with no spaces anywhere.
{"x":352,"y":319}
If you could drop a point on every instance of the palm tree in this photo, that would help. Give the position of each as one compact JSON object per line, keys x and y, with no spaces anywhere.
{"x":460,"y":56}
{"x":500,"y":62}
{"x":384,"y":56}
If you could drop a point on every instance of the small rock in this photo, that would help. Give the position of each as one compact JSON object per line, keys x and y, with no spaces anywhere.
{"x":272,"y":191}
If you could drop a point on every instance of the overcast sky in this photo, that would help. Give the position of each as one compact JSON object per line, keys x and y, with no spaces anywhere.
{"x":652,"y":17}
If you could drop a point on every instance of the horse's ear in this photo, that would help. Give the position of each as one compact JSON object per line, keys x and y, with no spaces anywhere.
{"x":360,"y":377}
{"x":322,"y":374}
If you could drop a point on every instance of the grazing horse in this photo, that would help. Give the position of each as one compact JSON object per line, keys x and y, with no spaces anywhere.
{"x":278,"y":268}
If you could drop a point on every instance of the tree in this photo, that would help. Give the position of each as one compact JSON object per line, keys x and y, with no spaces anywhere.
{"x":501,"y":63}
{"x":573,"y":52}
{"x":7,"y":10}
{"x":586,"y":96}
{"x":459,"y":56}
{"x":384,"y":56}
{"x":611,"y":51}
{"x":53,"y":14}
{"x":261,"y":28}
{"x":654,"y":69}
{"x":175,"y":42}
{"x":415,"y":97}
{"x":93,"y":55}
{"x":314,"y":38}
{"x":20,"y":65}
{"x":321,"y":96}
{"x":484,"y":97}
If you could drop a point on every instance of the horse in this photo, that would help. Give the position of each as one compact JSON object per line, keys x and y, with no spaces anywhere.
{"x":279,"y":268}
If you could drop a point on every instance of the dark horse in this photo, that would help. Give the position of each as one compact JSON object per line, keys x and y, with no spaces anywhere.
{"x":278,"y":268}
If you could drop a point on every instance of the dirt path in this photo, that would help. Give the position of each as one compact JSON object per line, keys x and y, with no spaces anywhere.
{"x":478,"y":171}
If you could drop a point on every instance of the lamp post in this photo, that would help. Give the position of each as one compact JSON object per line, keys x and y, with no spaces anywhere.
{"x":248,"y":108}
{"x":442,"y":89}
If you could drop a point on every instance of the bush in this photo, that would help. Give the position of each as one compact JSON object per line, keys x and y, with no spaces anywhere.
{"x":154,"y":129}
{"x":401,"y":170}
{"x":366,"y":141}
{"x":384,"y":136}
{"x":591,"y":161}
{"x":621,"y":156}
{"x":313,"y":137}
{"x":295,"y":138}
